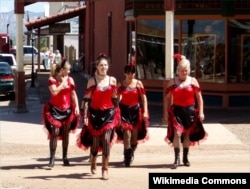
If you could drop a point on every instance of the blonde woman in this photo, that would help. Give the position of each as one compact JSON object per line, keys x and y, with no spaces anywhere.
{"x":184,"y":111}
{"x":61,"y":113}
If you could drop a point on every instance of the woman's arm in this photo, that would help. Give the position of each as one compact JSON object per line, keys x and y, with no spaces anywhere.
{"x":54,"y":90}
{"x":199,"y":99}
{"x":168,"y":99}
{"x":144,"y":100}
{"x":74,"y":97}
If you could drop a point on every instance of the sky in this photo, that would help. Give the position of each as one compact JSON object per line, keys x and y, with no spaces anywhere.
{"x":8,"y":5}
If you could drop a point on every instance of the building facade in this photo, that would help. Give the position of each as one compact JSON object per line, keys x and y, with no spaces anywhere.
{"x":213,"y":34}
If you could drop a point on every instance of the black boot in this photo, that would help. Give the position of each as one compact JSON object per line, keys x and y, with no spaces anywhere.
{"x":52,"y":159}
{"x":177,"y":158}
{"x":65,"y":159}
{"x":127,"y":157}
{"x":185,"y":157}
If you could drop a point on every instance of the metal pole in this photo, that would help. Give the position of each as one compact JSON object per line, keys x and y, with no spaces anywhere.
{"x":32,"y":84}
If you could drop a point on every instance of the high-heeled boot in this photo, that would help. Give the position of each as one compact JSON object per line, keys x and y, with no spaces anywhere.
{"x":185,"y":157}
{"x":127,"y":157}
{"x":52,"y":159}
{"x":177,"y":158}
{"x":105,"y":164}
{"x":65,"y":159}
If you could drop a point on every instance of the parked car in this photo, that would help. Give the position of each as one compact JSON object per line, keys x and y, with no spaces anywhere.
{"x":7,"y":81}
{"x":10,"y":58}
{"x":27,"y":55}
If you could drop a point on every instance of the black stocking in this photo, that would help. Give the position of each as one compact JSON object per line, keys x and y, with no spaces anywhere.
{"x":53,"y":139}
{"x":65,"y":141}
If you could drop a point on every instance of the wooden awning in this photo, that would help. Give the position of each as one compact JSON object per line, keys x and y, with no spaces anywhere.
{"x":40,"y":22}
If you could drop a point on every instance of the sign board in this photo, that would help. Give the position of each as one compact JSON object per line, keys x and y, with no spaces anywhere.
{"x":59,"y":28}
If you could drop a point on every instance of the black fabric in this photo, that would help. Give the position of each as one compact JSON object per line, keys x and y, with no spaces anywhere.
{"x":198,"y":132}
{"x":130,"y":114}
{"x":185,"y":115}
{"x":59,"y":114}
{"x":99,"y":118}
{"x":142,"y":132}
{"x":87,"y":138}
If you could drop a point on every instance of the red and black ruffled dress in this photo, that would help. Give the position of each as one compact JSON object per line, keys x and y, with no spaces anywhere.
{"x":59,"y":111}
{"x":183,"y":114}
{"x":102,"y":115}
{"x":132,"y":113}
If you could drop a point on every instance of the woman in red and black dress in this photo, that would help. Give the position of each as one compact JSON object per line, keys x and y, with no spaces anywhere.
{"x":134,"y":113}
{"x":100,"y":114}
{"x":61,"y":113}
{"x":184,"y":111}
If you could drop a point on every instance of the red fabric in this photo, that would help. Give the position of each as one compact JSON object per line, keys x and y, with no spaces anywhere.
{"x":131,"y":97}
{"x":103,"y":100}
{"x":85,"y":131}
{"x":63,"y":99}
{"x":72,"y":119}
{"x":183,"y":96}
{"x":110,"y":125}
{"x":174,"y":124}
{"x":63,"y":102}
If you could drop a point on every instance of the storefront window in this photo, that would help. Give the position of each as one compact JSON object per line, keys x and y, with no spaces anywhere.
{"x":150,"y":49}
{"x":239,"y":51}
{"x":203,"y":43}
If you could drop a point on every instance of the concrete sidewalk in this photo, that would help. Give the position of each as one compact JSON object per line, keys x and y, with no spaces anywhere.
{"x":21,"y":123}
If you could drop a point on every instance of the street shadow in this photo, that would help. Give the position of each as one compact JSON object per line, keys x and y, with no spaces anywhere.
{"x":66,"y":176}
{"x":154,"y":166}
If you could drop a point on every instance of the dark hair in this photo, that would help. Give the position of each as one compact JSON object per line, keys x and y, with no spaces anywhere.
{"x":100,"y":57}
{"x":129,"y":68}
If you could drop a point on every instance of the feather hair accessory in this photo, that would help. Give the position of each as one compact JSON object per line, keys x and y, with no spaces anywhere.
{"x":177,"y":57}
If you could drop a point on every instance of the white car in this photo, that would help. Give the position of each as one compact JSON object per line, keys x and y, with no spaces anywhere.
{"x":27,"y":55}
{"x":10,"y":58}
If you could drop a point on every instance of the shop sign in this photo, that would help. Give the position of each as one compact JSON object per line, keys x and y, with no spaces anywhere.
{"x":59,"y":28}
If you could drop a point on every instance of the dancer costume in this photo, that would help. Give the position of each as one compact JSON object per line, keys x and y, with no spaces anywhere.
{"x":132,"y":112}
{"x":102,"y":115}
{"x":59,"y":111}
{"x":184,"y":115}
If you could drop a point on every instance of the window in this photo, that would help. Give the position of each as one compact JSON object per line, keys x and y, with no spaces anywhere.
{"x":151,"y":49}
{"x":203,"y":43}
{"x":239,"y":55}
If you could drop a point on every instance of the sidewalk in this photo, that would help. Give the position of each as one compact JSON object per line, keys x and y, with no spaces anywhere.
{"x":33,"y":118}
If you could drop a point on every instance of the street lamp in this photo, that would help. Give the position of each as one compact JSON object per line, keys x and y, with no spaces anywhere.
{"x":32,"y":83}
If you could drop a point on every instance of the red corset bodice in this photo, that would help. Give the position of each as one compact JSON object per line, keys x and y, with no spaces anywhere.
{"x":102,"y":98}
{"x":63,"y":99}
{"x":183,"y":96}
{"x":130,"y":97}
